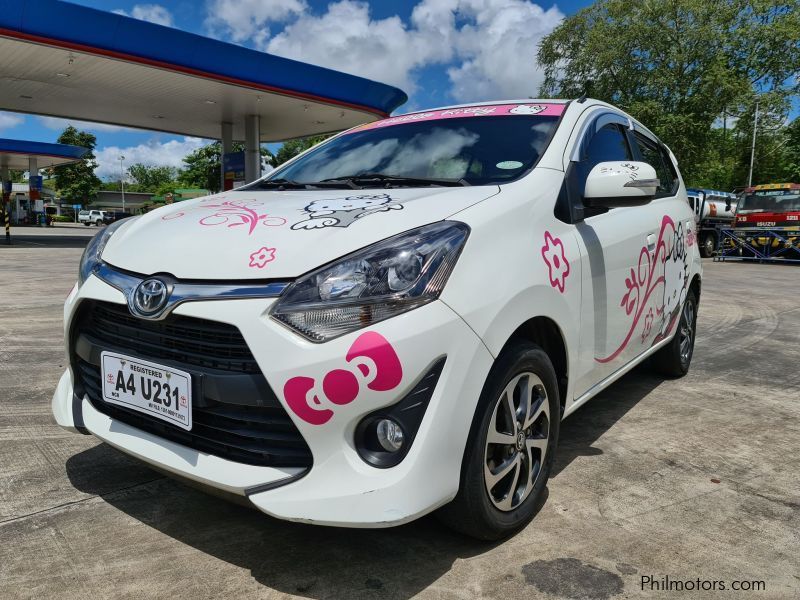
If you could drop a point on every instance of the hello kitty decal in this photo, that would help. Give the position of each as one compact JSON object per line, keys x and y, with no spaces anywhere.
{"x":527,"y":109}
{"x":343,"y":212}
{"x":664,"y":270}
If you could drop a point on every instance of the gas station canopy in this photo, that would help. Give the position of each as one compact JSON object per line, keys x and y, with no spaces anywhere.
{"x":70,"y":61}
{"x":16,"y":154}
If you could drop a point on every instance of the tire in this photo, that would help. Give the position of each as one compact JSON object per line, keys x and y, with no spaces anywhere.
{"x":708,"y":243}
{"x":488,"y":506}
{"x":673,"y":360}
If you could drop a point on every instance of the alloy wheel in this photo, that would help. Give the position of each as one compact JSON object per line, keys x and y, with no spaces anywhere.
{"x":516,"y":443}
{"x":687,"y":331}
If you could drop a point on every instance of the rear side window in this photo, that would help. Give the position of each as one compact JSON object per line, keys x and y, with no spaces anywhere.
{"x":607,"y":144}
{"x":656,"y":156}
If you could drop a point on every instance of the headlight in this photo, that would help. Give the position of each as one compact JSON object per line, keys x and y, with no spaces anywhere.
{"x":379,"y":282}
{"x":94,"y":249}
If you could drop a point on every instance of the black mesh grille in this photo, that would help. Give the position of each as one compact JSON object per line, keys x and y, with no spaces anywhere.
{"x":185,"y":340}
{"x":235,"y":414}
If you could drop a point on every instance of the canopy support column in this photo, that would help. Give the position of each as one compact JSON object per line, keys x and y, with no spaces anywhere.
{"x":5,"y":195}
{"x":227,"y":148}
{"x":33,"y":190}
{"x":252,"y":148}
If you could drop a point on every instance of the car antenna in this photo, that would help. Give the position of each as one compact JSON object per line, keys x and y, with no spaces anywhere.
{"x":587,"y":87}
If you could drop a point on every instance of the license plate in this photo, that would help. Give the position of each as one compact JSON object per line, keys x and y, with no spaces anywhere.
{"x":161,"y":392}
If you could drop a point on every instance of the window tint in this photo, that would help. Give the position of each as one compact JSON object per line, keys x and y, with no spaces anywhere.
{"x":656,"y":157}
{"x":481,"y":150}
{"x":607,"y":143}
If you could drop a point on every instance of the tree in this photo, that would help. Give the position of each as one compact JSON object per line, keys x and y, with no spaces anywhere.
{"x":678,"y":65}
{"x":292,"y":148}
{"x":149,"y":178}
{"x":77,"y":182}
{"x":203,"y":167}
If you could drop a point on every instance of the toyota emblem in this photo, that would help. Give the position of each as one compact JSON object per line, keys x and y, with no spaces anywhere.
{"x":150,"y":297}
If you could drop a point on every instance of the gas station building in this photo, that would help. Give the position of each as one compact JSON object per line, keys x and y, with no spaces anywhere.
{"x":74,"y":62}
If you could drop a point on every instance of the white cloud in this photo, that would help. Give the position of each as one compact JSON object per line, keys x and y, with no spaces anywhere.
{"x":9,"y":120}
{"x":154,"y":13}
{"x":346,"y":38}
{"x":488,"y":46}
{"x":58,"y":124}
{"x":151,"y":153}
{"x":243,"y":20}
{"x":497,"y":48}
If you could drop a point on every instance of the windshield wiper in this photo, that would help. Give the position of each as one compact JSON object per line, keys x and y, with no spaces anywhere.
{"x":364,"y":179}
{"x":281,"y":183}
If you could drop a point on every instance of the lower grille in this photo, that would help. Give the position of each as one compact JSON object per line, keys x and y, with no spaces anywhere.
{"x":235,"y":414}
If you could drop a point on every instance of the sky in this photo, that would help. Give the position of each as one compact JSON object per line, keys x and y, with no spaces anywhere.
{"x":438,"y":51}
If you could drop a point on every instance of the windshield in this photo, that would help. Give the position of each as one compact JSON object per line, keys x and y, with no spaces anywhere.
{"x":474,"y":150}
{"x":771,"y":201}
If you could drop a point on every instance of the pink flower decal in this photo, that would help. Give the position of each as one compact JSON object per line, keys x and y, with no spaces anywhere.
{"x":556,"y":261}
{"x":235,"y":213}
{"x":261,"y":257}
{"x":370,"y":362}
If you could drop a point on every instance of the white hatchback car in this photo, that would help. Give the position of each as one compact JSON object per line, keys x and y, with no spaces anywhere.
{"x":394,"y":322}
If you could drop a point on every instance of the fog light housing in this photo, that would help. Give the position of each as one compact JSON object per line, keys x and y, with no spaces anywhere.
{"x":390,"y":435}
{"x":384,"y":437}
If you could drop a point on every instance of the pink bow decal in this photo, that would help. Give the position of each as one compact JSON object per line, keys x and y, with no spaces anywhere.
{"x":370,"y":361}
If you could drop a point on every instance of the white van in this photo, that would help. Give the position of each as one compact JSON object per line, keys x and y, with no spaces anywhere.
{"x":394,"y":322}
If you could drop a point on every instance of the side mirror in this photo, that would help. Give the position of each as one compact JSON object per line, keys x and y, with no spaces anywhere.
{"x":617,"y":184}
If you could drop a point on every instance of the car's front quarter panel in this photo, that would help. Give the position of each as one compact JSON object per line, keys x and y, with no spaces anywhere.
{"x":520,"y":262}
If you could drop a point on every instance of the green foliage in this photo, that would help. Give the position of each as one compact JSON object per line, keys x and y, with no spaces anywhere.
{"x":292,"y":148}
{"x":149,"y":178}
{"x":62,"y":219}
{"x":203,"y":167}
{"x":678,"y":66}
{"x":78,"y":183}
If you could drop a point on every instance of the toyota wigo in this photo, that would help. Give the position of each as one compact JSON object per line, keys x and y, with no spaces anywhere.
{"x":394,"y":322}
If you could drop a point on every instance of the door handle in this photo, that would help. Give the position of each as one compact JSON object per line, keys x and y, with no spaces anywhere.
{"x":651,"y":242}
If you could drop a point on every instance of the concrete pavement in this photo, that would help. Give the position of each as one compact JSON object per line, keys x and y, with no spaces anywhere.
{"x":691,"y":478}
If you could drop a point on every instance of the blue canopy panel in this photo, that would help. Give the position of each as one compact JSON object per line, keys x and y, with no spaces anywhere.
{"x":93,"y":31}
{"x":14,"y":154}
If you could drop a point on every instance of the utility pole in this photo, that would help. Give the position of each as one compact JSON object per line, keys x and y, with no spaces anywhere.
{"x":753,"y":149}
{"x":122,"y":181}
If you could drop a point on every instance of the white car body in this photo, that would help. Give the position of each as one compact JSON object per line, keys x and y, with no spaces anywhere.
{"x":590,"y":282}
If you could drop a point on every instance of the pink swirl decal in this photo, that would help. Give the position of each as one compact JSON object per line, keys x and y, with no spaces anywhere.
{"x":556,"y":261}
{"x":371,"y":361}
{"x":666,"y":268}
{"x":235,"y":213}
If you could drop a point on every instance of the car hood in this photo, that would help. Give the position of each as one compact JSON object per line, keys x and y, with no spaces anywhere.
{"x":275,"y":234}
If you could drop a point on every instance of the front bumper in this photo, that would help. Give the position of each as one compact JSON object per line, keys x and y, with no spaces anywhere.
{"x":339,"y":488}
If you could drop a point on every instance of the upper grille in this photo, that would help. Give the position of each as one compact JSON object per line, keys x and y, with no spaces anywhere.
{"x":185,"y":340}
{"x":235,"y":413}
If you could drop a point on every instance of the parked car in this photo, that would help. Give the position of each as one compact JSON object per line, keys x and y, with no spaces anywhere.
{"x":116,"y":215}
{"x":92,"y":217}
{"x":394,"y":322}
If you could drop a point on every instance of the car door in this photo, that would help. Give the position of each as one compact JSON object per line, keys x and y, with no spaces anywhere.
{"x":675,"y":232}
{"x":617,"y":246}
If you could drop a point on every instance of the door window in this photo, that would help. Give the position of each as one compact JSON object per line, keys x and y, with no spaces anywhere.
{"x":657,"y":158}
{"x":607,"y":144}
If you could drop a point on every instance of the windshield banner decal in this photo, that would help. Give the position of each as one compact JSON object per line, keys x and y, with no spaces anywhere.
{"x":496,"y":110}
